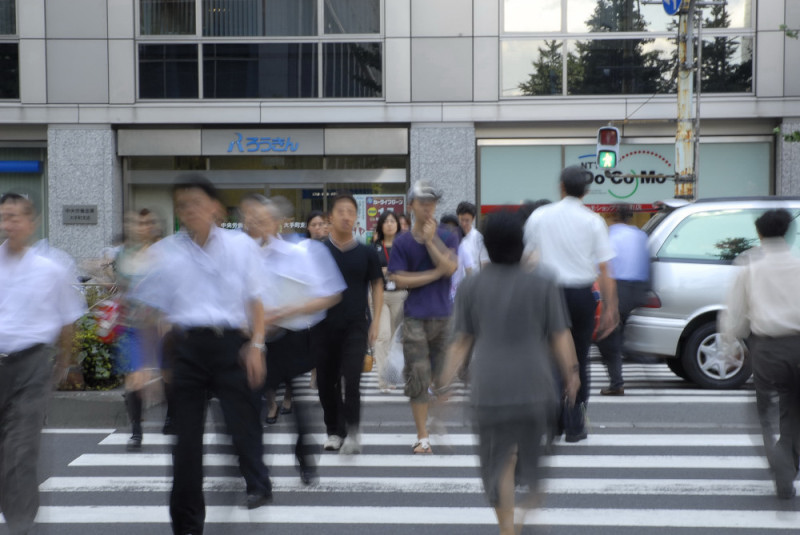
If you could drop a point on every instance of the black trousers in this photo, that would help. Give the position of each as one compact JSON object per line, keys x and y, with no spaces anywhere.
{"x":340,"y":352}
{"x":630,"y":295}
{"x":206,"y":361}
{"x":581,"y":307}
{"x":286,"y":358}
{"x":776,"y":372}
{"x":25,"y":385}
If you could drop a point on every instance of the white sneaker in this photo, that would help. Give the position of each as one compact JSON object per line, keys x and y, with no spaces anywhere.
{"x":333,"y":443}
{"x":352,"y":445}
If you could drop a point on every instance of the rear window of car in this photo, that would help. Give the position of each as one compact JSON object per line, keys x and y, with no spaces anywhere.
{"x":719,"y":236}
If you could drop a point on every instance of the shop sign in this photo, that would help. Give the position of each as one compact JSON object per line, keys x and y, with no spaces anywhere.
{"x":370,"y":209}
{"x":608,"y":189}
{"x":80,"y":214}
{"x":262,"y":142}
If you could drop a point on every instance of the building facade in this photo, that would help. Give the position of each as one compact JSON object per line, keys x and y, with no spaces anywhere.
{"x":103,"y":103}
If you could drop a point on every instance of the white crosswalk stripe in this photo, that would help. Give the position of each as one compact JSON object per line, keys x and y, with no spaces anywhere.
{"x":683,"y":481}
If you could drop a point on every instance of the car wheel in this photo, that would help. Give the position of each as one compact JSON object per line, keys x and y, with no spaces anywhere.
{"x":676,"y":367}
{"x":707,"y":366}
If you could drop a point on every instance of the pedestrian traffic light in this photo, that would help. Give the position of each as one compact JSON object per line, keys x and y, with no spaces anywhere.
{"x":607,"y":147}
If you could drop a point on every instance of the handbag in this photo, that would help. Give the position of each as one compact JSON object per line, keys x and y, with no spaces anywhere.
{"x":369,"y":361}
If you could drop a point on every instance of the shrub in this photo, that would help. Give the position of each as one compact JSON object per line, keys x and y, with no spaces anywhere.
{"x":95,"y":357}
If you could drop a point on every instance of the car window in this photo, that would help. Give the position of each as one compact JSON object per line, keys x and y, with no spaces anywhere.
{"x":719,"y":235}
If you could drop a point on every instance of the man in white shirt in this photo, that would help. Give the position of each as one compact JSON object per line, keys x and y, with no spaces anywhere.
{"x":38,"y":307}
{"x":571,"y":242}
{"x":473,"y":240}
{"x":208,"y":284}
{"x":764,"y":302}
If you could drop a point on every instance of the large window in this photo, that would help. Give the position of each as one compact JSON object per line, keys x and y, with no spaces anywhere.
{"x":612,"y":47}
{"x":284,"y":49}
{"x":8,"y":17}
{"x":167,"y":71}
{"x":9,"y":67}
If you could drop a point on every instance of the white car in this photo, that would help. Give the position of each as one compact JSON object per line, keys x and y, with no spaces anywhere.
{"x":692,"y":249}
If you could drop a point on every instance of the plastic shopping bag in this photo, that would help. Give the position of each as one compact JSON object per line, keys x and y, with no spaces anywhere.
{"x":395,"y":362}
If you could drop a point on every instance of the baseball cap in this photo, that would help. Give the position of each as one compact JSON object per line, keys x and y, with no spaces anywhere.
{"x":423,"y":191}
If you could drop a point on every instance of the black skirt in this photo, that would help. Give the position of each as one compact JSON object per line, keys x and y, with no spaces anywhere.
{"x":288,"y":356}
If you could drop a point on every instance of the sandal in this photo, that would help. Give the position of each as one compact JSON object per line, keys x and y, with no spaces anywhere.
{"x":422,"y":446}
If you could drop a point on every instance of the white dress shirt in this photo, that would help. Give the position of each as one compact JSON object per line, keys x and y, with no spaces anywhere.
{"x":568,"y":239}
{"x":208,"y":286}
{"x":37,"y":300}
{"x":473,"y":242}
{"x":298,"y":273}
{"x":765,"y":297}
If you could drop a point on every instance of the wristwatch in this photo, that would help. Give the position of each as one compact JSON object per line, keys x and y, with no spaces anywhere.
{"x":260,"y":347}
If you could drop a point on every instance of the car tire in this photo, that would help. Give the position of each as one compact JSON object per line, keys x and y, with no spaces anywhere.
{"x":707,"y":367}
{"x":676,"y":366}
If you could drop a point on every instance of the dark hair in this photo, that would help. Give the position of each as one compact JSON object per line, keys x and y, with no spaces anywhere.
{"x":311,"y":216}
{"x":344,"y":197}
{"x":379,"y":225}
{"x":450,"y":219}
{"x":575,"y":180}
{"x":466,"y":207}
{"x":528,"y":207}
{"x":774,"y":223}
{"x":28,"y":207}
{"x":403,"y":215}
{"x":502,"y":235}
{"x":623,"y":212}
{"x":195,"y":181}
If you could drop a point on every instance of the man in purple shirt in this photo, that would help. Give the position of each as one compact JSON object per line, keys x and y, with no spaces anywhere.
{"x":423,"y":261}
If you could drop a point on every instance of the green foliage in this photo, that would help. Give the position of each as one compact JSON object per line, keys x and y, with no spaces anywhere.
{"x":733,"y":247}
{"x":95,"y":357}
{"x":792,"y":34}
{"x":791,"y":137}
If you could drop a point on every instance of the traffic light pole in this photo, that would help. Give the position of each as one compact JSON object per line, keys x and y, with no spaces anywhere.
{"x":685,"y":136}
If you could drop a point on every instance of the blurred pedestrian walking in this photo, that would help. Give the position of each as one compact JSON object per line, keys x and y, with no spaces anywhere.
{"x":137,"y":337}
{"x":208,"y":283}
{"x":345,"y":334}
{"x":38,"y":307}
{"x":630,"y":269}
{"x":423,"y":261}
{"x":302,"y":283}
{"x":515,"y":324}
{"x":386,"y":230}
{"x":572,"y":242}
{"x":763,"y":306}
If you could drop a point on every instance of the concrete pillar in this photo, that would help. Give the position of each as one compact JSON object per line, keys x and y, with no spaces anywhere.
{"x":83,"y":169}
{"x":788,"y":164}
{"x":444,"y":156}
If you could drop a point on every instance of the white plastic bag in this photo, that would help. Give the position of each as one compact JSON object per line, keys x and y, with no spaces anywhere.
{"x":395,"y":361}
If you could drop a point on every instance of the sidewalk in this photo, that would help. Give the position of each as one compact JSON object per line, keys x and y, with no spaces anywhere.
{"x":88,"y":408}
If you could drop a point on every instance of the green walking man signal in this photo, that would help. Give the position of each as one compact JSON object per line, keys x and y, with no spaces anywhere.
{"x":607,"y":147}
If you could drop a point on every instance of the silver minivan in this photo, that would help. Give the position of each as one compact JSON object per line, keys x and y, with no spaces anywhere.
{"x":693,"y":247}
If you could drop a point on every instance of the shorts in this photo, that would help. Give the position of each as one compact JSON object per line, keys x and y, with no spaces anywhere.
{"x":424,"y":347}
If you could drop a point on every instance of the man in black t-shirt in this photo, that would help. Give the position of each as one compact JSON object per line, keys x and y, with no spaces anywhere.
{"x":342,"y":338}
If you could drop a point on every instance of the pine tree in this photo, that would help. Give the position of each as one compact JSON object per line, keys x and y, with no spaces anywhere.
{"x":547,"y":71}
{"x":722,"y":73}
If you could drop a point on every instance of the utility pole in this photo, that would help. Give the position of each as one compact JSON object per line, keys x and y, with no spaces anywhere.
{"x":685,"y":172}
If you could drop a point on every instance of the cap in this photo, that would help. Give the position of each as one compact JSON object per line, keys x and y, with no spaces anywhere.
{"x":424,"y":192}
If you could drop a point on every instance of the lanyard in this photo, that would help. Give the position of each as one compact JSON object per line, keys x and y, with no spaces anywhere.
{"x":386,"y":254}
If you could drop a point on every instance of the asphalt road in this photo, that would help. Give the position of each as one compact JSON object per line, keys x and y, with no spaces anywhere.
{"x":664,"y":459}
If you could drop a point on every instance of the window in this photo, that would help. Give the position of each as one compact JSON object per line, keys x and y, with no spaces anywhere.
{"x":308,"y":49}
{"x":9,"y":66}
{"x":226,"y":18}
{"x":353,"y":70}
{"x":274,"y":70}
{"x":712,"y":236}
{"x":157,"y":17}
{"x":8,"y":17}
{"x":168,"y":71}
{"x":618,"y":47}
{"x":352,"y":16}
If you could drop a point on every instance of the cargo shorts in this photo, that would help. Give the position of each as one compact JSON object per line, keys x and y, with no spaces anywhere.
{"x":424,"y":347}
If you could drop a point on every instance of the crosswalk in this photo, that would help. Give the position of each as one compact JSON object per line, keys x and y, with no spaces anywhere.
{"x":677,"y":480}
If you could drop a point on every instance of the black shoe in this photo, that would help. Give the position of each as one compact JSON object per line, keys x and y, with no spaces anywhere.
{"x":272,"y":420}
{"x":285,"y":410}
{"x":169,"y":427}
{"x":620,"y":391}
{"x":576,"y":437}
{"x":254,"y":501}
{"x":135,"y":443}
{"x":785,"y":492}
{"x":309,"y":476}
